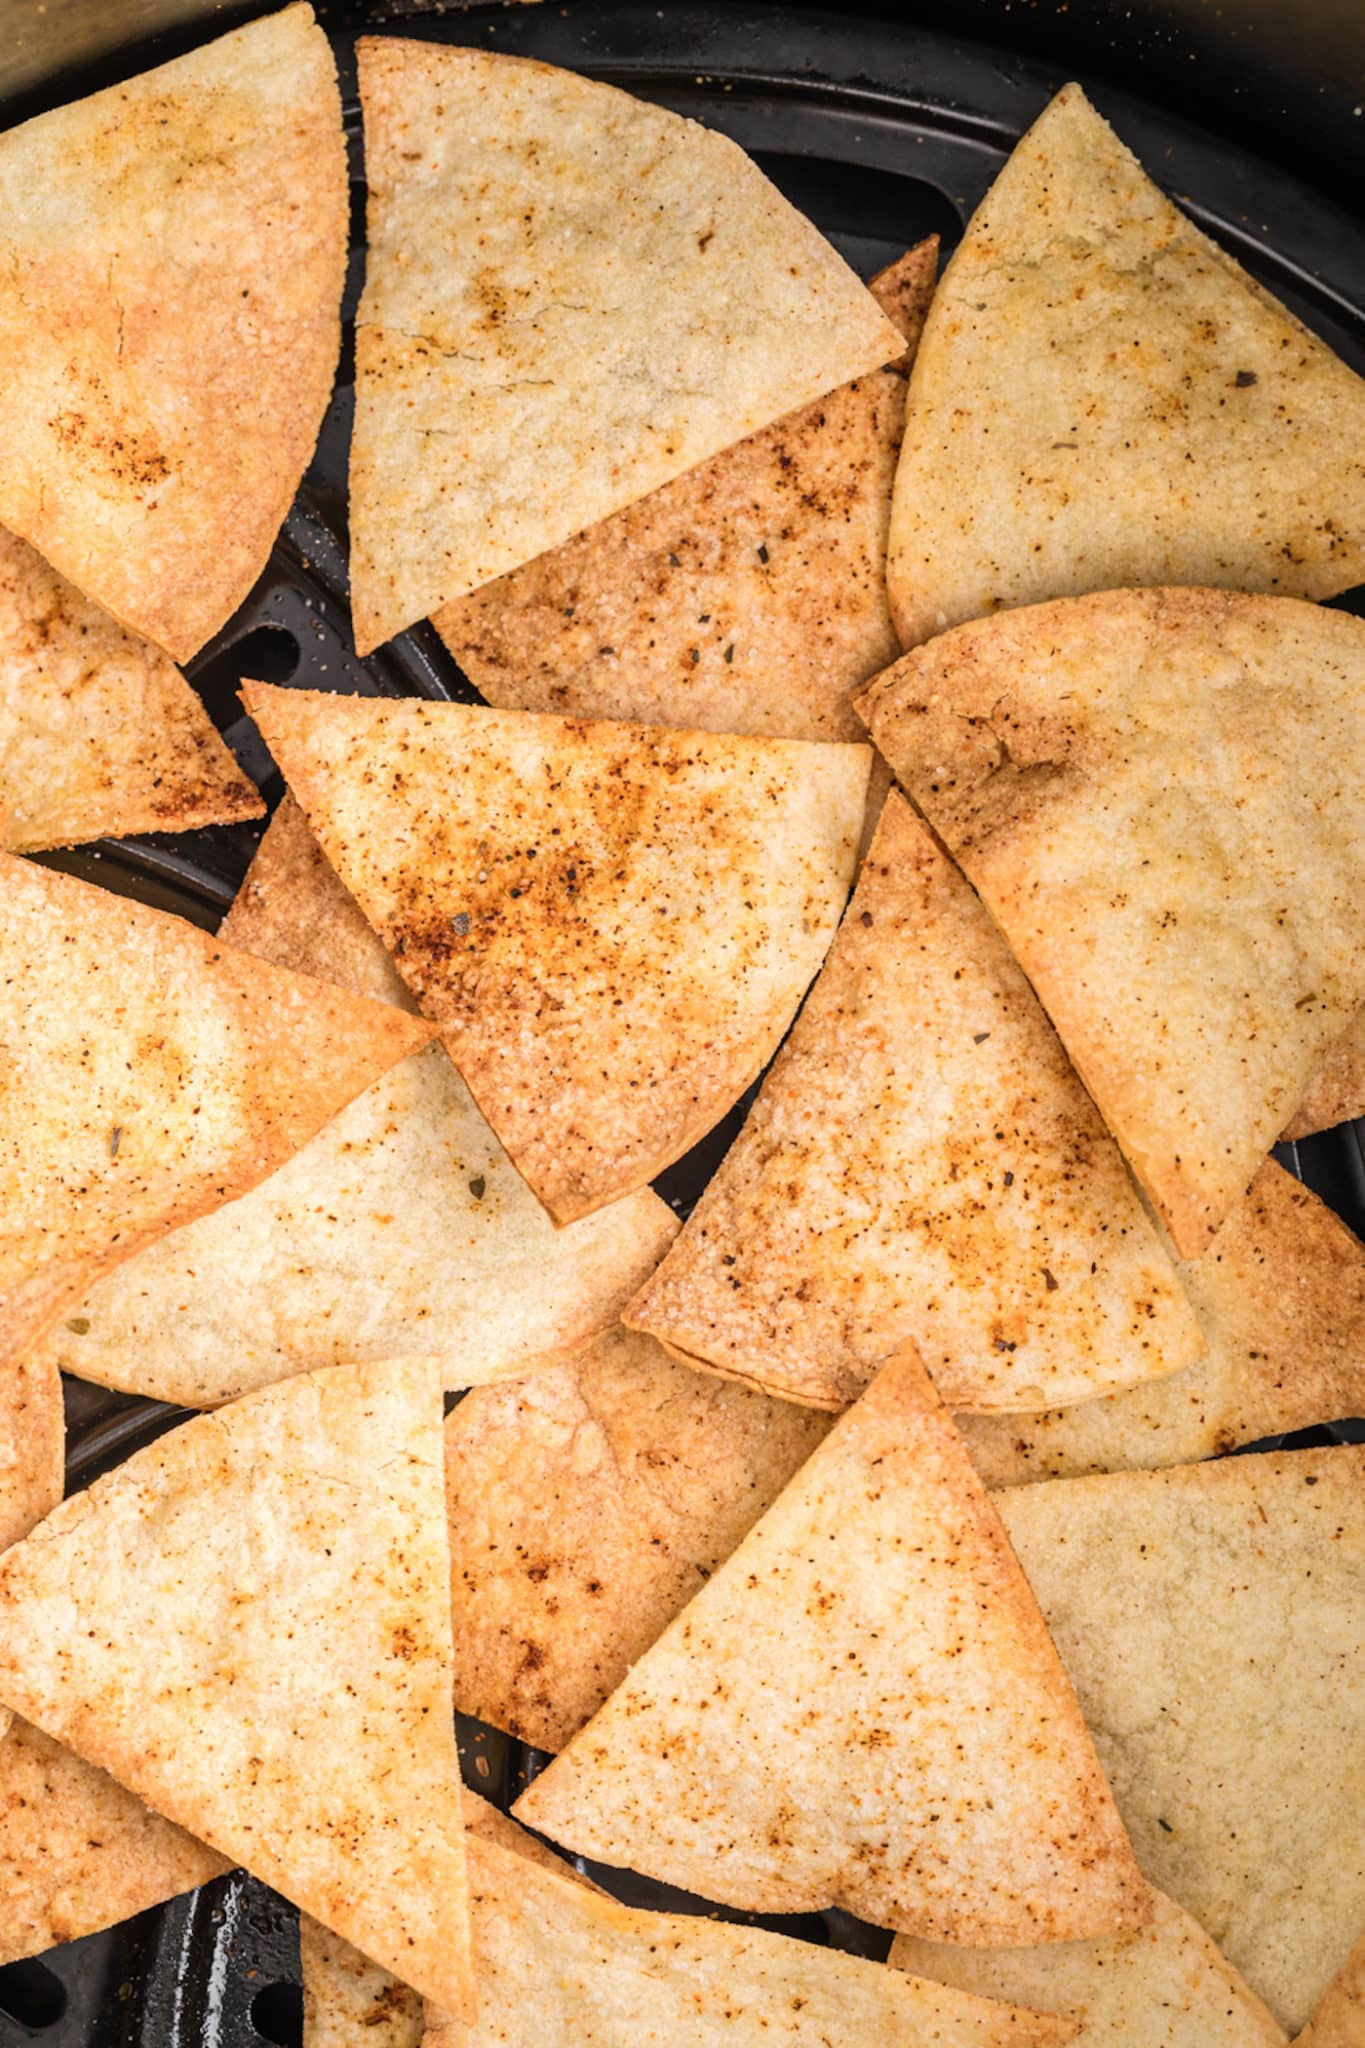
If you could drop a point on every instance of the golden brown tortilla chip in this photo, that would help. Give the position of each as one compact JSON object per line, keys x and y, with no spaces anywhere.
{"x":173,"y":251}
{"x":1212,"y":1619}
{"x":1336,"y":1091}
{"x":747,"y":596}
{"x":1160,"y":1986}
{"x":32,"y":1445}
{"x":904,"y":290}
{"x":348,"y":2001}
{"x":78,"y":1852}
{"x":557,"y":1963}
{"x":1102,"y":397}
{"x":248,"y":1624}
{"x":571,"y":298}
{"x":612,"y":924}
{"x":401,"y":1230}
{"x":1280,"y":1296}
{"x":861,"y":1708}
{"x":922,"y":1166}
{"x":587,"y":1506}
{"x":1158,"y":795}
{"x":150,"y":1073}
{"x":99,"y":733}
{"x":1339,"y":2021}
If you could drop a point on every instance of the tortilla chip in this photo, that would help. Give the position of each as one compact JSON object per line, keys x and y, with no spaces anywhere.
{"x":98,"y":732}
{"x":922,"y":1166}
{"x":1103,"y":397}
{"x":173,"y":252}
{"x":1280,"y":1296}
{"x":747,"y":596}
{"x":248,"y":1625}
{"x":861,"y":1708}
{"x":1339,"y":2021}
{"x":556,"y":1963}
{"x":348,"y":2001}
{"x":1213,"y":1621}
{"x":587,"y":1506}
{"x":612,"y":924}
{"x":571,"y":298}
{"x":32,"y":1445}
{"x":904,"y":291}
{"x":1158,"y":795}
{"x":77,"y":1852}
{"x":150,"y":1074}
{"x":1336,"y":1091}
{"x":1160,"y":1986}
{"x":491,"y":1824}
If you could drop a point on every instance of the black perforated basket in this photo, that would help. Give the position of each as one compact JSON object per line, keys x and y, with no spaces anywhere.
{"x":882,"y":134}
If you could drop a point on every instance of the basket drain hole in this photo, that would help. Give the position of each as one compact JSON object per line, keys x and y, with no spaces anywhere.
{"x":31,"y":1994}
{"x":277,"y":2014}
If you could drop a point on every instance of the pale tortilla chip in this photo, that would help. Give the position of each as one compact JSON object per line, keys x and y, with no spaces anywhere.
{"x":401,"y":1230}
{"x":1158,"y":795}
{"x":587,"y":1506}
{"x":612,"y":924}
{"x":78,"y":1852}
{"x":922,"y":1166}
{"x":747,"y":596}
{"x":32,"y":1445}
{"x":99,"y":733}
{"x":571,"y":298}
{"x":172,"y":254}
{"x":248,"y":1624}
{"x":1280,"y":1296}
{"x":861,"y":1708}
{"x":1102,"y":398}
{"x":556,"y":1963}
{"x":1336,"y":1091}
{"x":1160,"y":1986}
{"x":1339,"y":2021}
{"x":1213,"y":1621}
{"x":150,"y":1073}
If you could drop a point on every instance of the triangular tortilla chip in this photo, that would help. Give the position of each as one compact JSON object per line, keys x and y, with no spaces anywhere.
{"x":1336,"y":1091}
{"x":861,"y":1708}
{"x":1160,"y":1986}
{"x":1280,"y":1296}
{"x":612,"y":924}
{"x":1102,"y":397}
{"x":1213,"y":1621}
{"x":32,"y":1444}
{"x":1339,"y":2021}
{"x":248,"y":1624}
{"x":1158,"y":795}
{"x":150,"y":1073}
{"x":173,"y":252}
{"x":400,"y":1230}
{"x":922,"y":1166}
{"x":556,"y":1962}
{"x":77,"y":1851}
{"x":571,"y":297}
{"x":747,"y":596}
{"x":99,"y":733}
{"x":587,"y":1506}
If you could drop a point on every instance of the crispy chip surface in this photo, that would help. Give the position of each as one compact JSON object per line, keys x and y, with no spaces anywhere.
{"x":1158,"y":795}
{"x":1280,"y":1296}
{"x":32,"y":1445}
{"x":612,"y":924}
{"x":1103,"y":398}
{"x":248,"y":1624}
{"x":571,"y":297}
{"x":173,"y":251}
{"x":923,"y":1166}
{"x":747,"y":596}
{"x":860,"y":1707}
{"x":1212,"y":1619}
{"x":99,"y":733}
{"x":587,"y":1505}
{"x":1336,"y":1089}
{"x":1160,"y":1986}
{"x":1339,"y":2021}
{"x":150,"y":1073}
{"x":77,"y":1851}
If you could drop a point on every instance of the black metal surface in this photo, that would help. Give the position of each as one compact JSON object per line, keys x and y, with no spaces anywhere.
{"x":881,"y":133}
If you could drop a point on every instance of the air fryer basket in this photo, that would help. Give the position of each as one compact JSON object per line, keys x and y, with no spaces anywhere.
{"x":882,"y":134}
